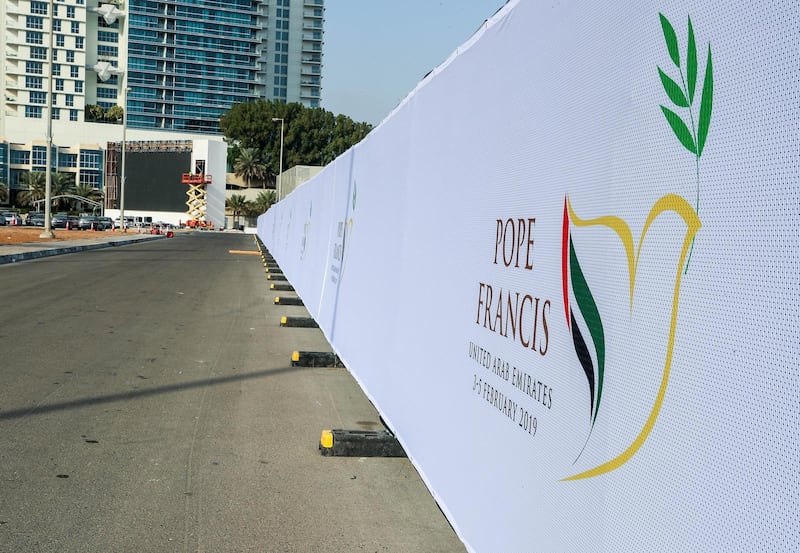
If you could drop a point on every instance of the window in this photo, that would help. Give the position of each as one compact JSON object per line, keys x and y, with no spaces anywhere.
{"x":67,"y":160}
{"x":56,"y":69}
{"x":101,"y":22}
{"x":107,"y":36}
{"x":33,"y":82}
{"x":38,"y":97}
{"x":79,"y":42}
{"x":33,"y":112}
{"x":56,"y":113}
{"x":39,"y":8}
{"x":38,"y":53}
{"x":34,"y":37}
{"x":57,"y":25}
{"x":60,"y":41}
{"x":79,"y":86}
{"x":34,"y":22}
{"x":90,"y":159}
{"x":20,"y":157}
{"x":69,"y":101}
{"x":71,"y":12}
{"x":112,"y":80}
{"x":39,"y":155}
{"x":91,"y":178}
{"x":33,"y":67}
{"x":70,"y":56}
{"x":73,"y":115}
{"x":60,"y":85}
{"x":75,"y":27}
{"x":108,"y":51}
{"x":73,"y":71}
{"x":103,"y":92}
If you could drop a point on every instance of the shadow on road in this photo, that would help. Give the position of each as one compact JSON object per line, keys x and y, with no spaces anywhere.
{"x":134,"y":394}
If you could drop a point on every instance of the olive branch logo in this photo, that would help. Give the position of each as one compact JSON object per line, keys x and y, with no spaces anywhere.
{"x":590,"y":348}
{"x":692,"y":136}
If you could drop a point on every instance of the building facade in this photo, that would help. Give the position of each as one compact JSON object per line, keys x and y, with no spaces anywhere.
{"x":176,"y":66}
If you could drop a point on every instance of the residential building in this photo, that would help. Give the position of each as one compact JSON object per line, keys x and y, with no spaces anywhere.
{"x":187,"y":61}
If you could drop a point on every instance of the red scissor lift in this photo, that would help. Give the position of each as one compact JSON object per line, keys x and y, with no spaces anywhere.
{"x":196,"y":202}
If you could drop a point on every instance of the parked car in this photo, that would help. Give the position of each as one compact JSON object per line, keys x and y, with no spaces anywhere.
{"x":11,"y":218}
{"x":63,"y":220}
{"x":35,"y":219}
{"x":108,"y":222}
{"x":90,"y":222}
{"x":3,"y":222}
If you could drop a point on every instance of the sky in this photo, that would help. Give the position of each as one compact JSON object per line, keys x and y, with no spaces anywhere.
{"x":376,"y":51}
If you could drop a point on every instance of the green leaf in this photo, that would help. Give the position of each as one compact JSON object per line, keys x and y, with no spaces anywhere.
{"x":673,"y":90}
{"x":680,"y":129}
{"x":705,"y":105}
{"x":672,"y":40}
{"x":691,"y":63}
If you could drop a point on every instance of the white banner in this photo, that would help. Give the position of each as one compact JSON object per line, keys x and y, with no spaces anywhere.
{"x":565,"y":270}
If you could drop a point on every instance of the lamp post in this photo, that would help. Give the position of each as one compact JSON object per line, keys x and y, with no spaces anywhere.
{"x":125,"y":91}
{"x":48,"y":187}
{"x":280,"y":162}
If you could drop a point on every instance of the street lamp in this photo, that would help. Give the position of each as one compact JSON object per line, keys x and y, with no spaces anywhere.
{"x":280,"y":162}
{"x":48,"y":187}
{"x":125,"y":91}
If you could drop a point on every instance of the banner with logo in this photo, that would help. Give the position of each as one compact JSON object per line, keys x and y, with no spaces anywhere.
{"x":565,"y":270}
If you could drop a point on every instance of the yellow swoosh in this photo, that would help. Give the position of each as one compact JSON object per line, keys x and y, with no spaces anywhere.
{"x":670,"y":202}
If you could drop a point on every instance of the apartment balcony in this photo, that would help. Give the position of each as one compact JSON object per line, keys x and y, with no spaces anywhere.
{"x":312,"y":46}
{"x":319,"y":3}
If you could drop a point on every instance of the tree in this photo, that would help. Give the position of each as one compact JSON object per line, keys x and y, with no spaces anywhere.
{"x":3,"y":192}
{"x":89,"y":192}
{"x":263,"y":202}
{"x":312,"y":136}
{"x":250,"y":166}
{"x":237,"y":204}
{"x":93,"y":112}
{"x":36,"y":187}
{"x":114,"y":114}
{"x":62,"y":183}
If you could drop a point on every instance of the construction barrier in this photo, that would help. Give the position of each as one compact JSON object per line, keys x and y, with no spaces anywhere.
{"x":565,"y":271}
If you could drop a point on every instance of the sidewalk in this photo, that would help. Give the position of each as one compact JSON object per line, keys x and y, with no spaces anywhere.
{"x":11,"y":253}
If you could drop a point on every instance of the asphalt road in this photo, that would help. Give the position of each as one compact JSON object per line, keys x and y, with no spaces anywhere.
{"x":148,"y":403}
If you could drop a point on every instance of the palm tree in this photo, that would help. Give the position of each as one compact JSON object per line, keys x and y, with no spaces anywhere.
{"x":250,"y":166}
{"x":62,"y":183}
{"x":3,"y":192}
{"x":89,"y":192}
{"x":263,"y":201}
{"x":237,"y":204}
{"x":36,"y":187}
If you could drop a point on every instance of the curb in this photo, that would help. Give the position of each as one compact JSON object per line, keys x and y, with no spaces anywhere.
{"x":37,"y":254}
{"x":359,"y":443}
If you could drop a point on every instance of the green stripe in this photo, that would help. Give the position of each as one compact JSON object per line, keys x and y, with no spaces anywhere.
{"x":588,"y":309}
